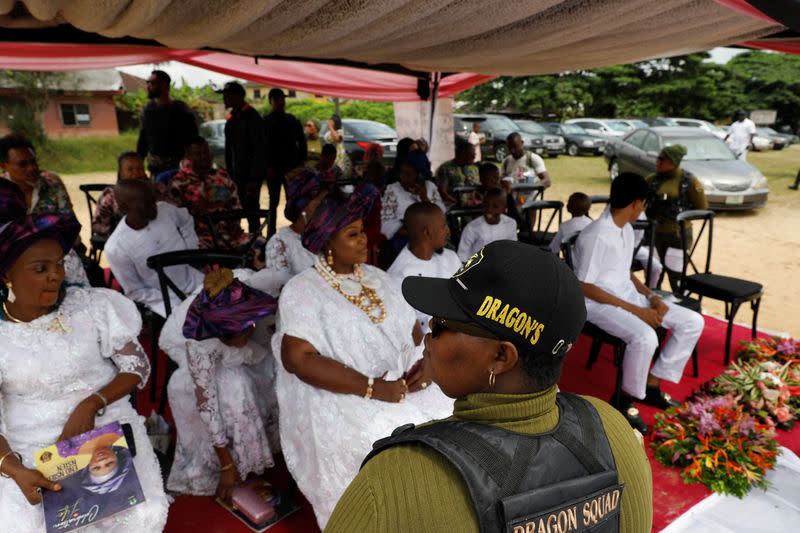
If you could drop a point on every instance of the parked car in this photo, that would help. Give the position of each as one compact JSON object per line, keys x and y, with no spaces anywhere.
{"x":599,"y":127}
{"x":631,"y":123}
{"x":658,"y":121}
{"x":496,"y":128}
{"x":554,"y":144}
{"x":729,"y":183}
{"x":779,"y":142}
{"x":577,"y":139}
{"x":759,"y":144}
{"x":788,"y":137}
{"x":213,"y":131}
{"x":702,"y":124}
{"x":360,"y":134}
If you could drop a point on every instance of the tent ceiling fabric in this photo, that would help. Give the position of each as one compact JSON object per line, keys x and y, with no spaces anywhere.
{"x":487,"y":37}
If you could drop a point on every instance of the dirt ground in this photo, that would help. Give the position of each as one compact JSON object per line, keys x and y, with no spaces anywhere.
{"x":762,"y":245}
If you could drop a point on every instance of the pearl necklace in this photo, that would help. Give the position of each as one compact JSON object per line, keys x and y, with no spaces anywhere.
{"x":54,"y":326}
{"x":359,"y":290}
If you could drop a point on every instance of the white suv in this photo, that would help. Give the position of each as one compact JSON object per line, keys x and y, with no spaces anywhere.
{"x":602,"y":128}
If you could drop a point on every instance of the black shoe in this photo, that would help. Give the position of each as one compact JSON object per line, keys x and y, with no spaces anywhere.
{"x":657,"y":398}
{"x":794,"y":187}
{"x":630,"y":412}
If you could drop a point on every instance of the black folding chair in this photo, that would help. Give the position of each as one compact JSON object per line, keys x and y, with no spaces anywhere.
{"x":239,"y":215}
{"x":92,"y":191}
{"x":599,"y":199}
{"x":458,"y":218}
{"x":648,"y":226}
{"x":457,"y":192}
{"x":732,"y":291}
{"x":536,"y":231}
{"x":195,"y":258}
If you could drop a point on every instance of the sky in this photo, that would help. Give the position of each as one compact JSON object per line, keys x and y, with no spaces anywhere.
{"x":197,"y":77}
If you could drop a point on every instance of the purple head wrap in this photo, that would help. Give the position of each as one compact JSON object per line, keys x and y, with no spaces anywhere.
{"x":418,"y":161}
{"x":304,"y":187}
{"x":18,"y":230}
{"x":335,"y":213}
{"x":230,"y":312}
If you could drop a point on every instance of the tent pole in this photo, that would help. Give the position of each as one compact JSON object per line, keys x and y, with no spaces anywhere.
{"x":436,"y":76}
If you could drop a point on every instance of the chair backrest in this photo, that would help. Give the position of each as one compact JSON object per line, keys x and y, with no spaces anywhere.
{"x":536,"y":212}
{"x":458,"y":218}
{"x":532,"y":192}
{"x":212,"y":219}
{"x":599,"y":199}
{"x":685,"y":222}
{"x":92,"y":191}
{"x":194,"y":258}
{"x":648,"y":226}
{"x":568,"y":250}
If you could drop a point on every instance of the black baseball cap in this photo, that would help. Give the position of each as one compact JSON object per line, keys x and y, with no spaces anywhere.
{"x":233,"y":88}
{"x":516,"y":291}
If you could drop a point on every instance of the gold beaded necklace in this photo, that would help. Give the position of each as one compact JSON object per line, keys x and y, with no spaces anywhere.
{"x":367,"y":299}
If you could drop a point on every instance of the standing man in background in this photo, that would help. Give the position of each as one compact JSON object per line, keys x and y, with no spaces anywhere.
{"x":285,"y":149}
{"x":167,"y":126}
{"x":244,"y":148}
{"x":740,"y":136}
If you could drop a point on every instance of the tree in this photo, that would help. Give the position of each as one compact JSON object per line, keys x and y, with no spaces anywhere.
{"x":34,"y":92}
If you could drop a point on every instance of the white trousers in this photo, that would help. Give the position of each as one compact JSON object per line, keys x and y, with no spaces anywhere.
{"x":641,"y":340}
{"x":656,"y":268}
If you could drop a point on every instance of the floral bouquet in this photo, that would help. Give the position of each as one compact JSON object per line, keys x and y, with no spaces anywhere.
{"x":768,"y":390}
{"x":771,"y":349}
{"x":716,"y":443}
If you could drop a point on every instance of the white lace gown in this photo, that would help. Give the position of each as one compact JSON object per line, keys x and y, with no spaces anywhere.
{"x":325,"y":435}
{"x":286,"y":256}
{"x":45,"y":373}
{"x":219,"y":396}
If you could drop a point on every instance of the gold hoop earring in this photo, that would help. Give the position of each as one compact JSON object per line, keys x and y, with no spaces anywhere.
{"x":492,"y":378}
{"x":329,"y":257}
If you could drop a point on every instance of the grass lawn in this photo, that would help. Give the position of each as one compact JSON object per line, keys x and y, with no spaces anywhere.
{"x":88,"y":154}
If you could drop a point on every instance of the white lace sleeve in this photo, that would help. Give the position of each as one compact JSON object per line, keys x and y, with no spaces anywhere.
{"x":74,"y":273}
{"x":118,"y":324}
{"x":202,"y":359}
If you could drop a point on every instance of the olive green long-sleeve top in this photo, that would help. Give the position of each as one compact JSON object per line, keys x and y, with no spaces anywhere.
{"x":412,"y":488}
{"x":670,"y":186}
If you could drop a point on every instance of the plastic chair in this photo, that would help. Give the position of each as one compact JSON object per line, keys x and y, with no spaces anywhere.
{"x":212,"y":219}
{"x":537,"y":232}
{"x":732,"y":291}
{"x":92,"y":191}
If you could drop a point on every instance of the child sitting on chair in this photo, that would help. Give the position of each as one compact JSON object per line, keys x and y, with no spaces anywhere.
{"x":578,"y":206}
{"x":494,"y":225}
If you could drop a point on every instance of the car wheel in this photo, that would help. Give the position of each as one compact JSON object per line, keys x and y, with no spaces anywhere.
{"x":501,"y":151}
{"x":613,"y":170}
{"x":553,"y":156}
{"x":572,"y":149}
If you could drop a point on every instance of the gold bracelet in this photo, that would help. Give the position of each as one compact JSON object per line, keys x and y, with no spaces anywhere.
{"x":226,"y":467}
{"x":15,"y":454}
{"x":102,"y":411}
{"x":370,"y":383}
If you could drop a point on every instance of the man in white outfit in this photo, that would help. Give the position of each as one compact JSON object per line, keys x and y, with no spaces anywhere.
{"x":741,"y":134}
{"x":425,"y":254}
{"x":618,"y":303}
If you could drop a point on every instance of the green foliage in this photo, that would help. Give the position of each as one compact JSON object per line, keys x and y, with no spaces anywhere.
{"x":685,"y":86}
{"x":84,"y":154}
{"x":322,"y":111}
{"x":201,"y":99}
{"x":33,"y":97}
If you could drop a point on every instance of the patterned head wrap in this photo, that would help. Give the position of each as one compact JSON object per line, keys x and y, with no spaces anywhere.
{"x":303,"y":188}
{"x":225,"y":307}
{"x":18,"y":230}
{"x":674,"y":152}
{"x":417,"y":160}
{"x":335,"y":213}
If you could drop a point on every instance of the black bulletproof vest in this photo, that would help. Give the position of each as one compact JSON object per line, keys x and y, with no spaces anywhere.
{"x":556,"y":482}
{"x":665,"y":208}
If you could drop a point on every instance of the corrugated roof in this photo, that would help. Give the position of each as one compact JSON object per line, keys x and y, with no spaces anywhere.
{"x":104,"y":80}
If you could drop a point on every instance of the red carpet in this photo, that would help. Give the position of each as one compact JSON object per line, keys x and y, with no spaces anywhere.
{"x":671,"y":497}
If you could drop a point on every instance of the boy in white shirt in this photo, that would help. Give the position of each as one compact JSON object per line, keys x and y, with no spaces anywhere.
{"x":150,"y":228}
{"x":425,"y":254}
{"x":578,"y":206}
{"x":618,"y":303}
{"x":522,"y":165}
{"x":494,"y":225}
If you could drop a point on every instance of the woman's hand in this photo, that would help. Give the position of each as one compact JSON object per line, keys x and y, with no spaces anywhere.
{"x":228,"y":479}
{"x":31,"y":481}
{"x":80,"y":421}
{"x":389,"y":391}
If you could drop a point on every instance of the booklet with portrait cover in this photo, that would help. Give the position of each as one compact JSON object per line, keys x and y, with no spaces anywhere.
{"x":97,"y":476}
{"x":257,"y":493}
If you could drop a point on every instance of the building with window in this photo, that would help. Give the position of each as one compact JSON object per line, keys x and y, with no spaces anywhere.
{"x":257,"y":94}
{"x":81,"y":104}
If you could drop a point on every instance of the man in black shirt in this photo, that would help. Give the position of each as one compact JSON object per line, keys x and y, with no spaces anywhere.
{"x":167,"y":126}
{"x":286,"y":148}
{"x":244,"y":148}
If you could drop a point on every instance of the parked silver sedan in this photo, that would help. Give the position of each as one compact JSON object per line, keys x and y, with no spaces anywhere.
{"x":728,"y":182}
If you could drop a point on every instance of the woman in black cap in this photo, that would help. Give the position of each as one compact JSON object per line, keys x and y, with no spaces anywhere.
{"x":516,"y":455}
{"x":348,"y":346}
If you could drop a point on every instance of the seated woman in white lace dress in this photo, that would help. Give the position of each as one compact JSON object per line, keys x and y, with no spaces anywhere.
{"x":222,"y":395}
{"x":285,"y":254}
{"x":349,"y":347}
{"x":69,"y":359}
